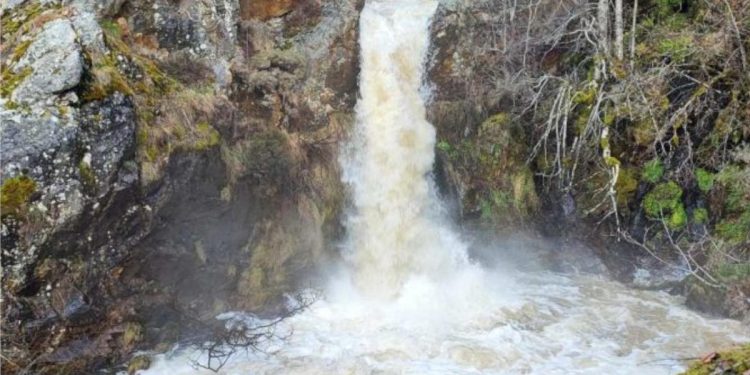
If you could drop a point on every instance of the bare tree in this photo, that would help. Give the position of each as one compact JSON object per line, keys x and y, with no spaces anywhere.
{"x":619,"y":31}
{"x":632,"y":34}
{"x":602,"y":19}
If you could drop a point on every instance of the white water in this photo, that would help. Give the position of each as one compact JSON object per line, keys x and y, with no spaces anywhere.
{"x":409,"y":301}
{"x":395,"y":232}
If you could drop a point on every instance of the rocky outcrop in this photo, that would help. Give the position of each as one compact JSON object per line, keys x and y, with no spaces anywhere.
{"x":53,"y":61}
{"x":482,"y":147}
{"x":533,"y":134}
{"x":163,"y":163}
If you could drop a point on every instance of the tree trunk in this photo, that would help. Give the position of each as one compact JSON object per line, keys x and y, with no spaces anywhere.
{"x":632,"y":35}
{"x":619,"y":32}
{"x":603,"y":23}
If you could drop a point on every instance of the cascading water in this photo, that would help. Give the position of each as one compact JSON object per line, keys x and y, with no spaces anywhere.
{"x":410,"y":302}
{"x":395,"y":231}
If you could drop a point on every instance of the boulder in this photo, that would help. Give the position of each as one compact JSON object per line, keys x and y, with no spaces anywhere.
{"x":53,"y":62}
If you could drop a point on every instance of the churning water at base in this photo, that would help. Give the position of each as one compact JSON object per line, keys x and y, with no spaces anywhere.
{"x":409,"y":301}
{"x":526,"y":323}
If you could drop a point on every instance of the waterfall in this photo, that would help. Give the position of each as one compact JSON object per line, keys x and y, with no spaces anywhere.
{"x":416,"y":304}
{"x":396,"y":229}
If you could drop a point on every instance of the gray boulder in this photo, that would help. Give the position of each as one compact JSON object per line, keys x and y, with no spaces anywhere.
{"x":55,"y":61}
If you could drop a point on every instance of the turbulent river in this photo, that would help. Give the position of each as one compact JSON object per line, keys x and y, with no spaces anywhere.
{"x":407,"y":298}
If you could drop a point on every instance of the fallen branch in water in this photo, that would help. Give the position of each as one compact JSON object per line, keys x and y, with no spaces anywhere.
{"x":235,"y":335}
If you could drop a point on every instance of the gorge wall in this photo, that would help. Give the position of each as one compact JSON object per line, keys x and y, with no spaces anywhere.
{"x":642,"y":159}
{"x":163,"y":162}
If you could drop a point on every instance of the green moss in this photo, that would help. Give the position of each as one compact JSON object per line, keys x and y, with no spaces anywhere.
{"x":111,"y":27}
{"x":664,"y":202}
{"x":132,"y":334}
{"x":13,"y":21}
{"x":138,"y":363}
{"x":679,"y":218}
{"x":20,"y":50}
{"x":734,"y":225}
{"x":677,"y":48}
{"x":586,"y":96}
{"x":485,"y":209}
{"x":738,"y":360}
{"x":735,"y":229}
{"x":444,"y":146}
{"x":525,"y":198}
{"x":15,"y":194}
{"x":700,"y":216}
{"x":653,"y":171}
{"x":87,"y":176}
{"x":498,"y":120}
{"x":626,"y":186}
{"x":611,"y":161}
{"x":609,"y":117}
{"x":207,"y":136}
{"x":735,"y":271}
{"x":704,"y":179}
{"x":582,"y":119}
{"x":267,"y":156}
{"x":11,"y":80}
{"x":664,"y":8}
{"x":735,"y":180}
{"x":664,"y":199}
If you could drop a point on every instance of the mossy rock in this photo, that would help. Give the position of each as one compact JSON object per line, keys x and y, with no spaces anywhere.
{"x":15,"y":195}
{"x":138,"y":363}
{"x":171,"y":116}
{"x":132,"y":335}
{"x":504,"y":191}
{"x":87,"y":177}
{"x":733,"y":361}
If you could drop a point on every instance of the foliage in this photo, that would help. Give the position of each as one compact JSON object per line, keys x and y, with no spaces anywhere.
{"x":677,"y":48}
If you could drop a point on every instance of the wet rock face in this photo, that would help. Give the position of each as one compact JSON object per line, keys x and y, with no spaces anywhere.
{"x":265,"y":10}
{"x":481,"y":148}
{"x":72,"y":162}
{"x":123,"y":221}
